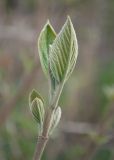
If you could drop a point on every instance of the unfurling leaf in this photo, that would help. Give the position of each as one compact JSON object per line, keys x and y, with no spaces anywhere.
{"x":55,"y":119}
{"x":63,"y":53}
{"x":37,"y":110}
{"x":46,"y":38}
{"x":37,"y":107}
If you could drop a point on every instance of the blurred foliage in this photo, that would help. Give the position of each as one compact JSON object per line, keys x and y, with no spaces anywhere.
{"x":103,"y":154}
{"x":105,"y":78}
{"x":26,"y":5}
{"x":109,"y":92}
{"x":73,"y":151}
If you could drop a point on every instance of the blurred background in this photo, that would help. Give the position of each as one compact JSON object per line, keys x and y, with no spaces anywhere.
{"x":86,"y":130}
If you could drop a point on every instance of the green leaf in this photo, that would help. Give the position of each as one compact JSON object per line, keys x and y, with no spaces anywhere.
{"x":54,"y":85}
{"x":63,"y":53}
{"x":46,"y":38}
{"x":36,"y":104}
{"x":55,"y":119}
{"x":37,"y":109}
{"x":34,"y":94}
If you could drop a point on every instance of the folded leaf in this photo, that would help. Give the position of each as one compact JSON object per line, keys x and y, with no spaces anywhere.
{"x":36,"y":104}
{"x":46,"y":38}
{"x":63,"y":53}
{"x":37,"y":110}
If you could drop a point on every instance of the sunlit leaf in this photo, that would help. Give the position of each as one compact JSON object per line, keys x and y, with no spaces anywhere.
{"x":63,"y":53}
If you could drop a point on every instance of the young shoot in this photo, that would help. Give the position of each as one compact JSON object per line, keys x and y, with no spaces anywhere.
{"x":58,"y":55}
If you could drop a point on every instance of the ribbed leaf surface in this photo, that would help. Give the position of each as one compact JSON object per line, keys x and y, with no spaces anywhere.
{"x":46,"y":38}
{"x":63,"y":52}
{"x":37,"y":107}
{"x":37,"y":110}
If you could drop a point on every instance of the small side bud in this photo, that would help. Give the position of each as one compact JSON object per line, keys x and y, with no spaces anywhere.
{"x":55,"y":119}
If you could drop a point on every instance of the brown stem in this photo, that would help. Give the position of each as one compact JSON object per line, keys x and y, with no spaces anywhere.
{"x":41,"y":143}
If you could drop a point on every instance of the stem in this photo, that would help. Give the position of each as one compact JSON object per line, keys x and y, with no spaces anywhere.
{"x":42,"y":141}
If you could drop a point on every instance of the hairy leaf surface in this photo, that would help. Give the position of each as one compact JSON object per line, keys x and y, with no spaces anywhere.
{"x":63,"y":53}
{"x":56,"y":118}
{"x":46,"y":38}
{"x":37,"y":110}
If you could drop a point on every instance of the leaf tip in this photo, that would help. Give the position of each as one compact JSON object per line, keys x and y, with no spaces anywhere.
{"x":48,"y":22}
{"x":34,"y":94}
{"x":68,"y":18}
